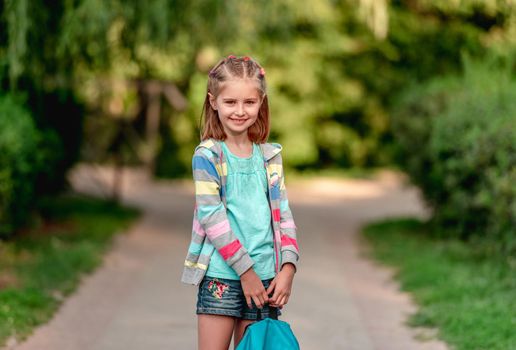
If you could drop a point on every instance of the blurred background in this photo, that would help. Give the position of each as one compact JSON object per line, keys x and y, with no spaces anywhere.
{"x":427,"y":87}
{"x":352,"y":84}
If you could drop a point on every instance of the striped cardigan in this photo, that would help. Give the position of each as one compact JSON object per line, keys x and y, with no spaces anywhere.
{"x":210,"y":222}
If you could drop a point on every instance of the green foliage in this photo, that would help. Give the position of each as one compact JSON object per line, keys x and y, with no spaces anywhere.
{"x":333,"y":68}
{"x":44,"y":78}
{"x":418,"y":47}
{"x":59,"y":115}
{"x":458,"y":143}
{"x":168,"y":163}
{"x":18,"y":26}
{"x":467,"y":295}
{"x":18,"y":163}
{"x":332,"y":82}
{"x":35,"y":153}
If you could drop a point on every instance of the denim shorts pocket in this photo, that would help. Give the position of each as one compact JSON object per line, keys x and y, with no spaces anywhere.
{"x":219,"y":296}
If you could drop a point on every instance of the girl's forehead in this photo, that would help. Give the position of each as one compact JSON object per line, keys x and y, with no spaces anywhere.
{"x":239,"y":88}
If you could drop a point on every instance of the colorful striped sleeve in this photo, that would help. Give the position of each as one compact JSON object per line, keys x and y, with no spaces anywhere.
{"x":288,"y":228}
{"x":211,"y":212}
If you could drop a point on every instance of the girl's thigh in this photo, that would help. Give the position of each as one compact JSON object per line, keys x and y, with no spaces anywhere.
{"x":240,"y":325}
{"x":214,"y":331}
{"x":219,"y":303}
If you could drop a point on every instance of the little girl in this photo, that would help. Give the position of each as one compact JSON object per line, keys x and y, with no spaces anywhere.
{"x":243,"y":252}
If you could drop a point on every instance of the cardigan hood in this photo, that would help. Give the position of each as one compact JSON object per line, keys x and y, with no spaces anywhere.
{"x":269,"y":150}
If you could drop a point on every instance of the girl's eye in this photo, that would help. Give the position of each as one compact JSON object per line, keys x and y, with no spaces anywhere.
{"x":250,"y":102}
{"x":230,"y":102}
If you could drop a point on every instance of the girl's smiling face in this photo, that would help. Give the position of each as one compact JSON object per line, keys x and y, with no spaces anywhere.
{"x":237,"y":105}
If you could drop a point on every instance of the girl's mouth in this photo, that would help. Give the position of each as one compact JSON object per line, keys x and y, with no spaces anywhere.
{"x":238,"y":121}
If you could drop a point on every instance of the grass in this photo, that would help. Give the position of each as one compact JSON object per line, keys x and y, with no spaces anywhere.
{"x":42,"y":265}
{"x":468,"y":296}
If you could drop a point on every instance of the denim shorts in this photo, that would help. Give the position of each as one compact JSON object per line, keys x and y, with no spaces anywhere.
{"x":220,"y":296}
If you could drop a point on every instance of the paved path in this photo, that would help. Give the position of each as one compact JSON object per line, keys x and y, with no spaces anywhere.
{"x":341,"y":300}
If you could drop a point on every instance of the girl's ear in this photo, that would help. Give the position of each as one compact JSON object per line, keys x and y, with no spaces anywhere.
{"x":212,"y":101}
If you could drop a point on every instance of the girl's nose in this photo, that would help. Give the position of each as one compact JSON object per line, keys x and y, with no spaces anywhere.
{"x":240,"y":110}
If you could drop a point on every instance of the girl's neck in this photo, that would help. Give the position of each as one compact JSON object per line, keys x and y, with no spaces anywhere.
{"x":240,"y":146}
{"x":240,"y":141}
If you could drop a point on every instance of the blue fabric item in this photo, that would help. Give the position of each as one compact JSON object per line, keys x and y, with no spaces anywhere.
{"x":275,"y":192}
{"x":249,"y":214}
{"x":269,"y":334}
{"x":204,"y":164}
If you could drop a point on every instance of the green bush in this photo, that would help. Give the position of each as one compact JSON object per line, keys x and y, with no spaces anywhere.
{"x":18,"y":163}
{"x":457,"y":141}
{"x":59,"y":117}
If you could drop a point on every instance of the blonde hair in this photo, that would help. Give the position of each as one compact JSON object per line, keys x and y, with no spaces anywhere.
{"x":228,"y":68}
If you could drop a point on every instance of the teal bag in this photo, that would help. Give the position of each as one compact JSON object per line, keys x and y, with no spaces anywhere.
{"x":269,"y":334}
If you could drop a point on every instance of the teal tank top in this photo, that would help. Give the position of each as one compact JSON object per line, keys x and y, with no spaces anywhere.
{"x":249,"y":214}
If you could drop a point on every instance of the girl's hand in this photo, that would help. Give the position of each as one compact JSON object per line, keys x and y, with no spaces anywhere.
{"x":282,"y":286}
{"x":253,"y":289}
